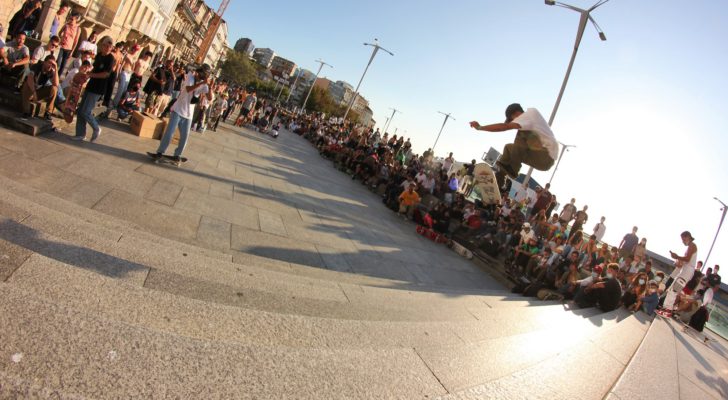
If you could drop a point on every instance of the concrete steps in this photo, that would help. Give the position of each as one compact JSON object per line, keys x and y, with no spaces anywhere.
{"x":111,"y":298}
{"x":64,"y":349}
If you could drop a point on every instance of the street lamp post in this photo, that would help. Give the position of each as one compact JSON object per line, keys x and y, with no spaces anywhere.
{"x":564,"y":148}
{"x":283,"y":86}
{"x":376,"y":49}
{"x":295,"y":82}
{"x":447,"y":116}
{"x":303,"y":108}
{"x":722,"y":217}
{"x":583,"y":20}
{"x":389,"y":122}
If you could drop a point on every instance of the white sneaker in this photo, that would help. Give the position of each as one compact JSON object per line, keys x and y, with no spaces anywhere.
{"x":95,"y":135}
{"x":77,"y":138}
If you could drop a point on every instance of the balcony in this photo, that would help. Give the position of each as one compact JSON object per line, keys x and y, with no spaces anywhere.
{"x":100,"y":14}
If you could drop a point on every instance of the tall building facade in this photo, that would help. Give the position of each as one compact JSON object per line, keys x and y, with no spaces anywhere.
{"x":264,"y":56}
{"x":282,"y":67}
{"x":244,"y":45}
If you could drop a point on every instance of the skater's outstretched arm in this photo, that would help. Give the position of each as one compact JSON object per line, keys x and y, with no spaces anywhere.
{"x":499,"y":127}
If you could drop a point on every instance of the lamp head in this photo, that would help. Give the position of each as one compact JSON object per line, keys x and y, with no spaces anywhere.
{"x":550,"y":2}
{"x":602,"y":36}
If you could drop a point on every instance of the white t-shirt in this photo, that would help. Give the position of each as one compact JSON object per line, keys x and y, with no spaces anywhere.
{"x":599,"y":231}
{"x":521,"y":194}
{"x":184,"y":106}
{"x":708,"y":297}
{"x":526,"y":236}
{"x":88,"y":46}
{"x":531,"y":120}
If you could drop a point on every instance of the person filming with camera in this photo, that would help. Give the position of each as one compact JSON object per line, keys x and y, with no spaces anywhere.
{"x":196,"y":84}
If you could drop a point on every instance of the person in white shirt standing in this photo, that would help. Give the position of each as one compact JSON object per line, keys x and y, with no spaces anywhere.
{"x":684,"y":270}
{"x":535,"y":144}
{"x":600,"y":229}
{"x":196,"y":84}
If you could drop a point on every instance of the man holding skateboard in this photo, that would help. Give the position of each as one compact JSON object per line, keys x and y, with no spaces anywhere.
{"x":534,"y":145}
{"x":196,"y":84}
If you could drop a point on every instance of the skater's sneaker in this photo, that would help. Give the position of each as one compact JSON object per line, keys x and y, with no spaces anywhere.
{"x":77,"y":138}
{"x":507,"y":170}
{"x":177,"y":160}
{"x":155,"y":156}
{"x":95,"y":135}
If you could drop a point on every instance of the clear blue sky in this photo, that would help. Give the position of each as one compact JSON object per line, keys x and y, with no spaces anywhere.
{"x":646,"y":108}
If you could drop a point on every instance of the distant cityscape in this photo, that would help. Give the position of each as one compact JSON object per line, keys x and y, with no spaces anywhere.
{"x":300,"y":80}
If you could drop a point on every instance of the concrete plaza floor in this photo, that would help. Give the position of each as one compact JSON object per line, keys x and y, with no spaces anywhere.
{"x":242,"y":193}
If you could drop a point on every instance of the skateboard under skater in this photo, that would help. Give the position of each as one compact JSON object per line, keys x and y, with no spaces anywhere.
{"x":166,"y":159}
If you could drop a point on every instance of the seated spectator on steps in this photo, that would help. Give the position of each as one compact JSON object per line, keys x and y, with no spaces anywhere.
{"x":408,"y":201}
{"x":129,"y":102}
{"x":14,"y":57}
{"x":41,"y":84}
{"x":567,"y":282}
{"x":648,"y":301}
{"x":604,"y":294}
{"x":636,"y":290}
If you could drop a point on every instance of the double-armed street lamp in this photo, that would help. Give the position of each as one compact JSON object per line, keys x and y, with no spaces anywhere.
{"x":322,"y":63}
{"x":720,"y":224}
{"x":376,"y":49}
{"x":389,"y":121}
{"x":564,"y":148}
{"x":447,"y":116}
{"x":585,"y":17}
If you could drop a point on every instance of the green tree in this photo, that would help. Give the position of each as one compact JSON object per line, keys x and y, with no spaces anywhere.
{"x":237,"y":68}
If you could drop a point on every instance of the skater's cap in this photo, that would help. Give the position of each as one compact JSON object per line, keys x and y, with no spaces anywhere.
{"x":511,"y":109}
{"x":687,"y":235}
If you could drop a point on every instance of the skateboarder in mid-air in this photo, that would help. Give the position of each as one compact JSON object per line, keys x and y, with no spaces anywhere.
{"x":534,"y":145}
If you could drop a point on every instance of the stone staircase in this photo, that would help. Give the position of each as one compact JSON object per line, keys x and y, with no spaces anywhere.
{"x":96,"y":306}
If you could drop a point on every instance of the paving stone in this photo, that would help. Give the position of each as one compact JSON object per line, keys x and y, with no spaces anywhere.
{"x":164,"y":192}
{"x":37,"y":175}
{"x":272,"y":223}
{"x":159,"y":219}
{"x":276,"y":247}
{"x":125,"y":179}
{"x":333,"y":259}
{"x":61,"y":159}
{"x":86,"y":193}
{"x":25,"y":145}
{"x":181,"y":177}
{"x":220,"y":189}
{"x":226,"y":210}
{"x":214,"y":233}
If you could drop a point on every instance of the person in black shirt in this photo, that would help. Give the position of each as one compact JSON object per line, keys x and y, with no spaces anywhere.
{"x":41,"y":84}
{"x":95,"y":89}
{"x":604,"y":294}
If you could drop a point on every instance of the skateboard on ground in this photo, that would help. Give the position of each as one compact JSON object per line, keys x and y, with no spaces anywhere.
{"x":166,"y":159}
{"x":460,"y":249}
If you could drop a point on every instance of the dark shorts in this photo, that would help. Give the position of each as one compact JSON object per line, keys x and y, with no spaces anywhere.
{"x":244,"y":112}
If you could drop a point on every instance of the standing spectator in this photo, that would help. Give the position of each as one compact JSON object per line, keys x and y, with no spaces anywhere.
{"x":41,"y":84}
{"x":95,"y":89}
{"x":579,"y":221}
{"x":196,"y":84}
{"x":683,"y":272}
{"x":164,"y":96}
{"x":140,"y":68}
{"x":59,"y":18}
{"x":219,"y":106}
{"x":629,"y":241}
{"x":521,"y":195}
{"x":640,"y":250}
{"x":568,"y":213}
{"x":600,"y":229}
{"x":543,"y":200}
{"x":447,"y":164}
{"x":69,"y":39}
{"x":26,"y":19}
{"x":118,"y":54}
{"x":153,"y":87}
{"x":125,"y":71}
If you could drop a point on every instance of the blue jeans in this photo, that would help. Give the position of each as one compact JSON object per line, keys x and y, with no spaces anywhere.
{"x":184,"y":130}
{"x":85,"y":113}
{"x":121,"y":88}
